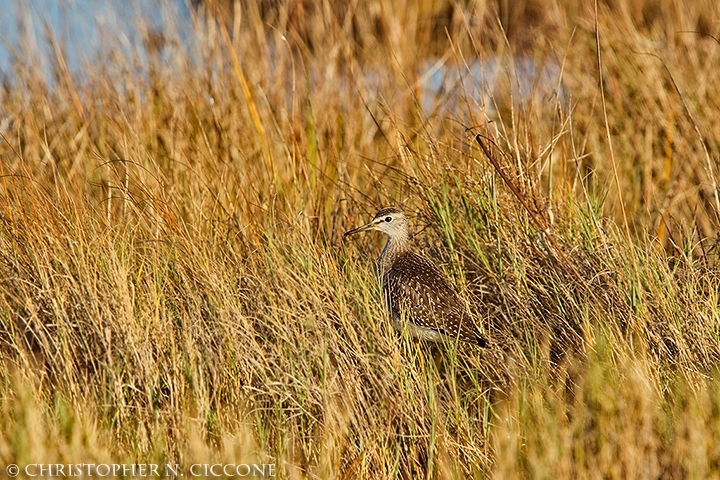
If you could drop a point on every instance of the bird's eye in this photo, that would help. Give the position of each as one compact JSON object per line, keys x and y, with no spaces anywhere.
{"x":388,"y":219}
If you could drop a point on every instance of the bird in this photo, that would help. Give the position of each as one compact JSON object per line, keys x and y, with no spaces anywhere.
{"x":414,"y":288}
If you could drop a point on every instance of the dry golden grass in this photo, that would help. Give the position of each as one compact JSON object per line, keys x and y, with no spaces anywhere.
{"x":174,"y":287}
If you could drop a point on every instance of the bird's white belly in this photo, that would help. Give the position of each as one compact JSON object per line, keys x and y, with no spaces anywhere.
{"x":427,"y":334}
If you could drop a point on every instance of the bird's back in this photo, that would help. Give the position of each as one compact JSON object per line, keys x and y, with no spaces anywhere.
{"x":417,"y":290}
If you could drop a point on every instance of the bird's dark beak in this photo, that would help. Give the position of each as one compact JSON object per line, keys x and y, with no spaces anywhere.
{"x":369,"y":226}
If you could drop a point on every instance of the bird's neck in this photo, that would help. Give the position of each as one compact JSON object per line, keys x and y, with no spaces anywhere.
{"x":394,"y":247}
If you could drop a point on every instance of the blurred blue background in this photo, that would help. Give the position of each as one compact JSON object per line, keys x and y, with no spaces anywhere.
{"x":83,"y":29}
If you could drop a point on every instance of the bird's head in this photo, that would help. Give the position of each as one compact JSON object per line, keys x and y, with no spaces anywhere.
{"x":391,"y":221}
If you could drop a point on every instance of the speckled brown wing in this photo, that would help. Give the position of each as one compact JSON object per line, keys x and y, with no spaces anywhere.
{"x":419,"y":290}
